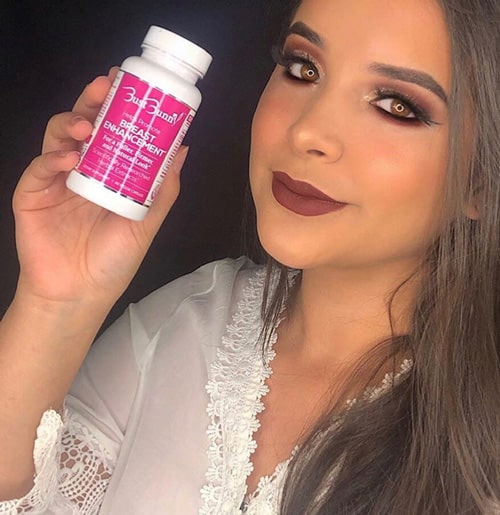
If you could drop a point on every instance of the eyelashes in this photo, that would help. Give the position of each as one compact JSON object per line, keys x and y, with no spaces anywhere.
{"x":400,"y":107}
{"x":397,"y":106}
{"x":298,"y":65}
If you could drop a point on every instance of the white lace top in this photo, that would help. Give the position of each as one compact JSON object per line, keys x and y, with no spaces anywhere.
{"x":162,"y":414}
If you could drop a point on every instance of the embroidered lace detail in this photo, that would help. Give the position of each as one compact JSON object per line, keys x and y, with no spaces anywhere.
{"x":78,"y":484}
{"x":45,"y":450}
{"x":389,"y":380}
{"x":236,"y":387}
{"x":266,"y":498}
{"x":85,"y":469}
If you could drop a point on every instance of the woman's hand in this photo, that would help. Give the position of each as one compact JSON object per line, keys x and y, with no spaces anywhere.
{"x":70,"y":249}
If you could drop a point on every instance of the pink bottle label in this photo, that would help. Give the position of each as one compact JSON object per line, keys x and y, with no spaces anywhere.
{"x":136,"y":136}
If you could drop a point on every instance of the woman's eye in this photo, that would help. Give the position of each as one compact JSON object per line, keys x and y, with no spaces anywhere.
{"x":303,"y":71}
{"x":396,"y":107}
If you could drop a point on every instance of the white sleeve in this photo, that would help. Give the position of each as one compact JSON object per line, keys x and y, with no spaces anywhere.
{"x":72,"y":470}
{"x":74,"y":456}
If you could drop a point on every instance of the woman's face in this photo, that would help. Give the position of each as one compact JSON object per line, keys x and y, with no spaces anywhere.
{"x":350,"y":138}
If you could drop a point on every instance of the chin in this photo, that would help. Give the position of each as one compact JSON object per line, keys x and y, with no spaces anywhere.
{"x":284,"y":250}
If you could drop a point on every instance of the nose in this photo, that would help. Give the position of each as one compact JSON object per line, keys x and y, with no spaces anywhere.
{"x":314,"y":132}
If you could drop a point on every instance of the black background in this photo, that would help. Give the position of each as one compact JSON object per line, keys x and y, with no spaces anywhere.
{"x":51,"y":49}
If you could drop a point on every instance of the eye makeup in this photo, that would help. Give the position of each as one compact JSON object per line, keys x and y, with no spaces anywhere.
{"x":299,"y":65}
{"x":420,"y":113}
{"x":288,"y":58}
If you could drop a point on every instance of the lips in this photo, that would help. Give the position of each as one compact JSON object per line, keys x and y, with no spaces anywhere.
{"x":302,"y":198}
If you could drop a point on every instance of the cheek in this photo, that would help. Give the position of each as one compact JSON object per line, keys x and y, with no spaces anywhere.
{"x":267,"y":136}
{"x":406,"y":168}
{"x":271,"y":116}
{"x":406,"y":182}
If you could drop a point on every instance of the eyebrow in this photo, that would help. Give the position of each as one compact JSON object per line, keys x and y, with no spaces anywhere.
{"x":420,"y":78}
{"x":409,"y":75}
{"x":303,"y":30}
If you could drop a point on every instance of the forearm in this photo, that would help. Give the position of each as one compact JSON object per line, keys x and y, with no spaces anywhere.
{"x":42,"y":346}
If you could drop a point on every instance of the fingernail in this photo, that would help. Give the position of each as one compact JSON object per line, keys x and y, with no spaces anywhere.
{"x":183,"y":153}
{"x":181,"y":158}
{"x":113,"y":69}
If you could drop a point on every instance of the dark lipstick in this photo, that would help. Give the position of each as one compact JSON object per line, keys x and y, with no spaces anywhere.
{"x":302,"y":198}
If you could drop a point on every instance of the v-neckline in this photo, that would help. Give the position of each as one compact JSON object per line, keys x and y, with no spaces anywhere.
{"x":236,"y":388}
{"x":266,"y":480}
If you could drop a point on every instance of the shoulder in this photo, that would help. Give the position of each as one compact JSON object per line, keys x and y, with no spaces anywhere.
{"x":170,"y":330}
{"x":212,"y":288}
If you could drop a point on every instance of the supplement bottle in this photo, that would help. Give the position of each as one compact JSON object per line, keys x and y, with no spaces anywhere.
{"x":141,"y":125}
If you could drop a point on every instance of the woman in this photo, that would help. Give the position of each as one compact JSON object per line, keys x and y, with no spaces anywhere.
{"x":374,"y":168}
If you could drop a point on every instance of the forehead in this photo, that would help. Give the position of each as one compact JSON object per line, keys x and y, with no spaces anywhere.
{"x":407,"y":33}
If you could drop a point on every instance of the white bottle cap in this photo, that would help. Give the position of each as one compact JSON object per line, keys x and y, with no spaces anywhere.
{"x":178,"y":47}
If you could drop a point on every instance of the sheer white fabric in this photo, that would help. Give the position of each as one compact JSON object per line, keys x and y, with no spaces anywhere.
{"x":72,"y":470}
{"x":142,"y":420}
{"x":161,"y":417}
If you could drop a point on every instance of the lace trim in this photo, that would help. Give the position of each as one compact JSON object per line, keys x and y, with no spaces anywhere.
{"x":85,"y":468}
{"x":45,"y":453}
{"x":390,"y":379}
{"x":72,"y":470}
{"x":266,"y":498}
{"x":236,"y":387}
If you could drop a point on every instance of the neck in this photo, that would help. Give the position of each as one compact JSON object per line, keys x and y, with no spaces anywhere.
{"x":339,"y":315}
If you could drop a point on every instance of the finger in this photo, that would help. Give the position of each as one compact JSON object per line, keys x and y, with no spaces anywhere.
{"x":113,"y":72}
{"x":65,"y":131}
{"x":45,"y":169}
{"x":168,"y":192}
{"x":92,"y":97}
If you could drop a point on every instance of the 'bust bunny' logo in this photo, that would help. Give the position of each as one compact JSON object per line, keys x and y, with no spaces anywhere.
{"x":151,"y":106}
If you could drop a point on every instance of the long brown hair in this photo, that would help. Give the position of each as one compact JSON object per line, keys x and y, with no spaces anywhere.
{"x":431,"y":444}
